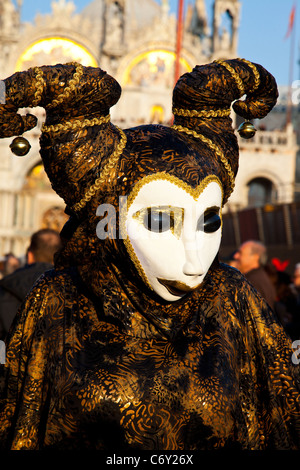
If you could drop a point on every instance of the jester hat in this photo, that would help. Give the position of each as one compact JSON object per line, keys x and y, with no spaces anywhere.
{"x":91,"y":161}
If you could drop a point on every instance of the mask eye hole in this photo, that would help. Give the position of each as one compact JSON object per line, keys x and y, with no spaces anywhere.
{"x":158,"y":221}
{"x":161,"y":219}
{"x":211,"y":222}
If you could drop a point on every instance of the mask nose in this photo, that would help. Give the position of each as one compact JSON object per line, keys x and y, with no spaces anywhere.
{"x":192,"y":265}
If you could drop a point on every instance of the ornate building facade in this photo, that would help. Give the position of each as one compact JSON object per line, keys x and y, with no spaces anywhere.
{"x":133,"y":40}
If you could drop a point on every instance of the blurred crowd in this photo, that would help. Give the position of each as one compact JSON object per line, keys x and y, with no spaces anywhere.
{"x":270,"y":278}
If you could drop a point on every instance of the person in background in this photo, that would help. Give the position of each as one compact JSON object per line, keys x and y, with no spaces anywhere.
{"x":296,"y":278}
{"x":295,"y":287}
{"x":10,"y":264}
{"x":15,"y":286}
{"x":231,"y":261}
{"x":287,"y":304}
{"x":251,"y":258}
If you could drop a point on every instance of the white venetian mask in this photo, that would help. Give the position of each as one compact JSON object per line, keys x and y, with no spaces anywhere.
{"x":173,"y":232}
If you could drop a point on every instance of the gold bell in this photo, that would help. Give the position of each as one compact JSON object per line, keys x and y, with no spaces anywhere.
{"x":246,"y":130}
{"x":20,"y":146}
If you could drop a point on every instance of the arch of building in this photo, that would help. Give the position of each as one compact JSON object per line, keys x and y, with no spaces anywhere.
{"x":261,"y":191}
{"x":240,"y":197}
{"x":275,"y":181}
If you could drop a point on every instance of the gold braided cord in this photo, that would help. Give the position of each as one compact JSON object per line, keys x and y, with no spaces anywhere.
{"x":213,"y":146}
{"x":40,"y":83}
{"x":235,"y":75}
{"x":105,"y":173}
{"x":255,"y":73}
{"x":237,"y":78}
{"x":76,"y":124}
{"x":206,"y":114}
{"x":73,"y":83}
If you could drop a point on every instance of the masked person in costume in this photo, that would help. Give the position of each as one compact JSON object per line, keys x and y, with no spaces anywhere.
{"x":140,"y":338}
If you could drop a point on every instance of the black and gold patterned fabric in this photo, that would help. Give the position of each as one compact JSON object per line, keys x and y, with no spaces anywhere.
{"x":114,"y":374}
{"x":95,"y":359}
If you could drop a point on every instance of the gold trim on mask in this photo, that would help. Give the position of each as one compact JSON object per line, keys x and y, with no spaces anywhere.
{"x":194,"y":192}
